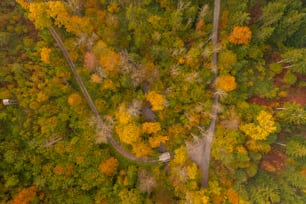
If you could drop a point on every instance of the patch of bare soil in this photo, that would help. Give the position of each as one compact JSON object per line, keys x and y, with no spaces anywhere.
{"x":274,"y":161}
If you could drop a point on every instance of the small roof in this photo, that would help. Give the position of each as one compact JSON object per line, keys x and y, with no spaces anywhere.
{"x":9,"y":102}
{"x":165,"y":157}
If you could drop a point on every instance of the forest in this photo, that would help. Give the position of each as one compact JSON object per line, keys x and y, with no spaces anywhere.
{"x":153,"y":101}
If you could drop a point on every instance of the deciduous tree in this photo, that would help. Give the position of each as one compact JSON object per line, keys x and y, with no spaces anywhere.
{"x":109,"y":166}
{"x":240,"y":35}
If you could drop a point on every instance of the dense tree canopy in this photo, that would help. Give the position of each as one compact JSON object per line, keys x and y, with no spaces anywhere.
{"x":147,"y":65}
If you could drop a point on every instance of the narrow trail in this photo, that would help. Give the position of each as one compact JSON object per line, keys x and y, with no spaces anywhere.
{"x":199,"y":151}
{"x":90,"y":102}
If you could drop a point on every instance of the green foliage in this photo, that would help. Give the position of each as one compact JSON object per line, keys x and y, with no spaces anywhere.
{"x":296,"y":57}
{"x":292,"y":113}
{"x":290,"y":78}
{"x":264,"y":189}
{"x":296,"y":148}
{"x":276,"y":68}
{"x":131,"y":196}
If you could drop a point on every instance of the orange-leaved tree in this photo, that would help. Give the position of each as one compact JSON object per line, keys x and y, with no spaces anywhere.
{"x":24,"y":196}
{"x":110,"y":60}
{"x":240,"y":35}
{"x":74,"y":99}
{"x":155,"y":141}
{"x":45,"y":55}
{"x":226,"y":83}
{"x":109,"y":166}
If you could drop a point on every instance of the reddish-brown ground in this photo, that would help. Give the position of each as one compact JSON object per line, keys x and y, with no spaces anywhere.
{"x":274,"y":161}
{"x":255,"y":13}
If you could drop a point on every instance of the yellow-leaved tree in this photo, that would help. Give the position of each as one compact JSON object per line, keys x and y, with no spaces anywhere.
{"x":128,"y":133}
{"x":155,"y":141}
{"x":74,"y":99}
{"x":226,"y":83}
{"x":180,"y":156}
{"x":38,"y":13}
{"x":156,"y":100}
{"x":260,"y":131}
{"x":45,"y":55}
{"x":150,"y":127}
{"x":122,"y":115}
{"x":24,"y":196}
{"x":141,"y":149}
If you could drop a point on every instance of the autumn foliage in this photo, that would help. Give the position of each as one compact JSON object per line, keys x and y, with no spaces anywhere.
{"x":260,"y":131}
{"x":150,"y":68}
{"x":141,"y":149}
{"x":156,"y":100}
{"x":45,"y":55}
{"x":240,"y":35}
{"x":128,"y":133}
{"x":226,"y":83}
{"x":110,"y":61}
{"x":24,"y":196}
{"x":150,"y":127}
{"x":109,"y":166}
{"x":155,"y":141}
{"x":74,"y":99}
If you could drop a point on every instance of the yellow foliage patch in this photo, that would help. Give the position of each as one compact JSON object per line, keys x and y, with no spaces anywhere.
{"x":180,"y":156}
{"x":128,"y":133}
{"x":141,"y":149}
{"x":108,"y":84}
{"x":122,"y":115}
{"x":260,"y":132}
{"x":155,"y":141}
{"x":156,"y":100}
{"x":45,"y":55}
{"x":113,"y":8}
{"x":192,"y":171}
{"x":74,"y":99}
{"x":23,"y":3}
{"x":150,"y":127}
{"x":241,"y":149}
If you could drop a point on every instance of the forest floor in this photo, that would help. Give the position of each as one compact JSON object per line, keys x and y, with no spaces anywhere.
{"x":295,"y":93}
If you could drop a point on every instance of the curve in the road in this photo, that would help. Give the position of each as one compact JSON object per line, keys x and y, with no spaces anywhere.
{"x":91,"y":104}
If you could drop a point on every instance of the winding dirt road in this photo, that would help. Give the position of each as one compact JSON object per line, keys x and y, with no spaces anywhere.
{"x":90,"y":102}
{"x":199,"y":152}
